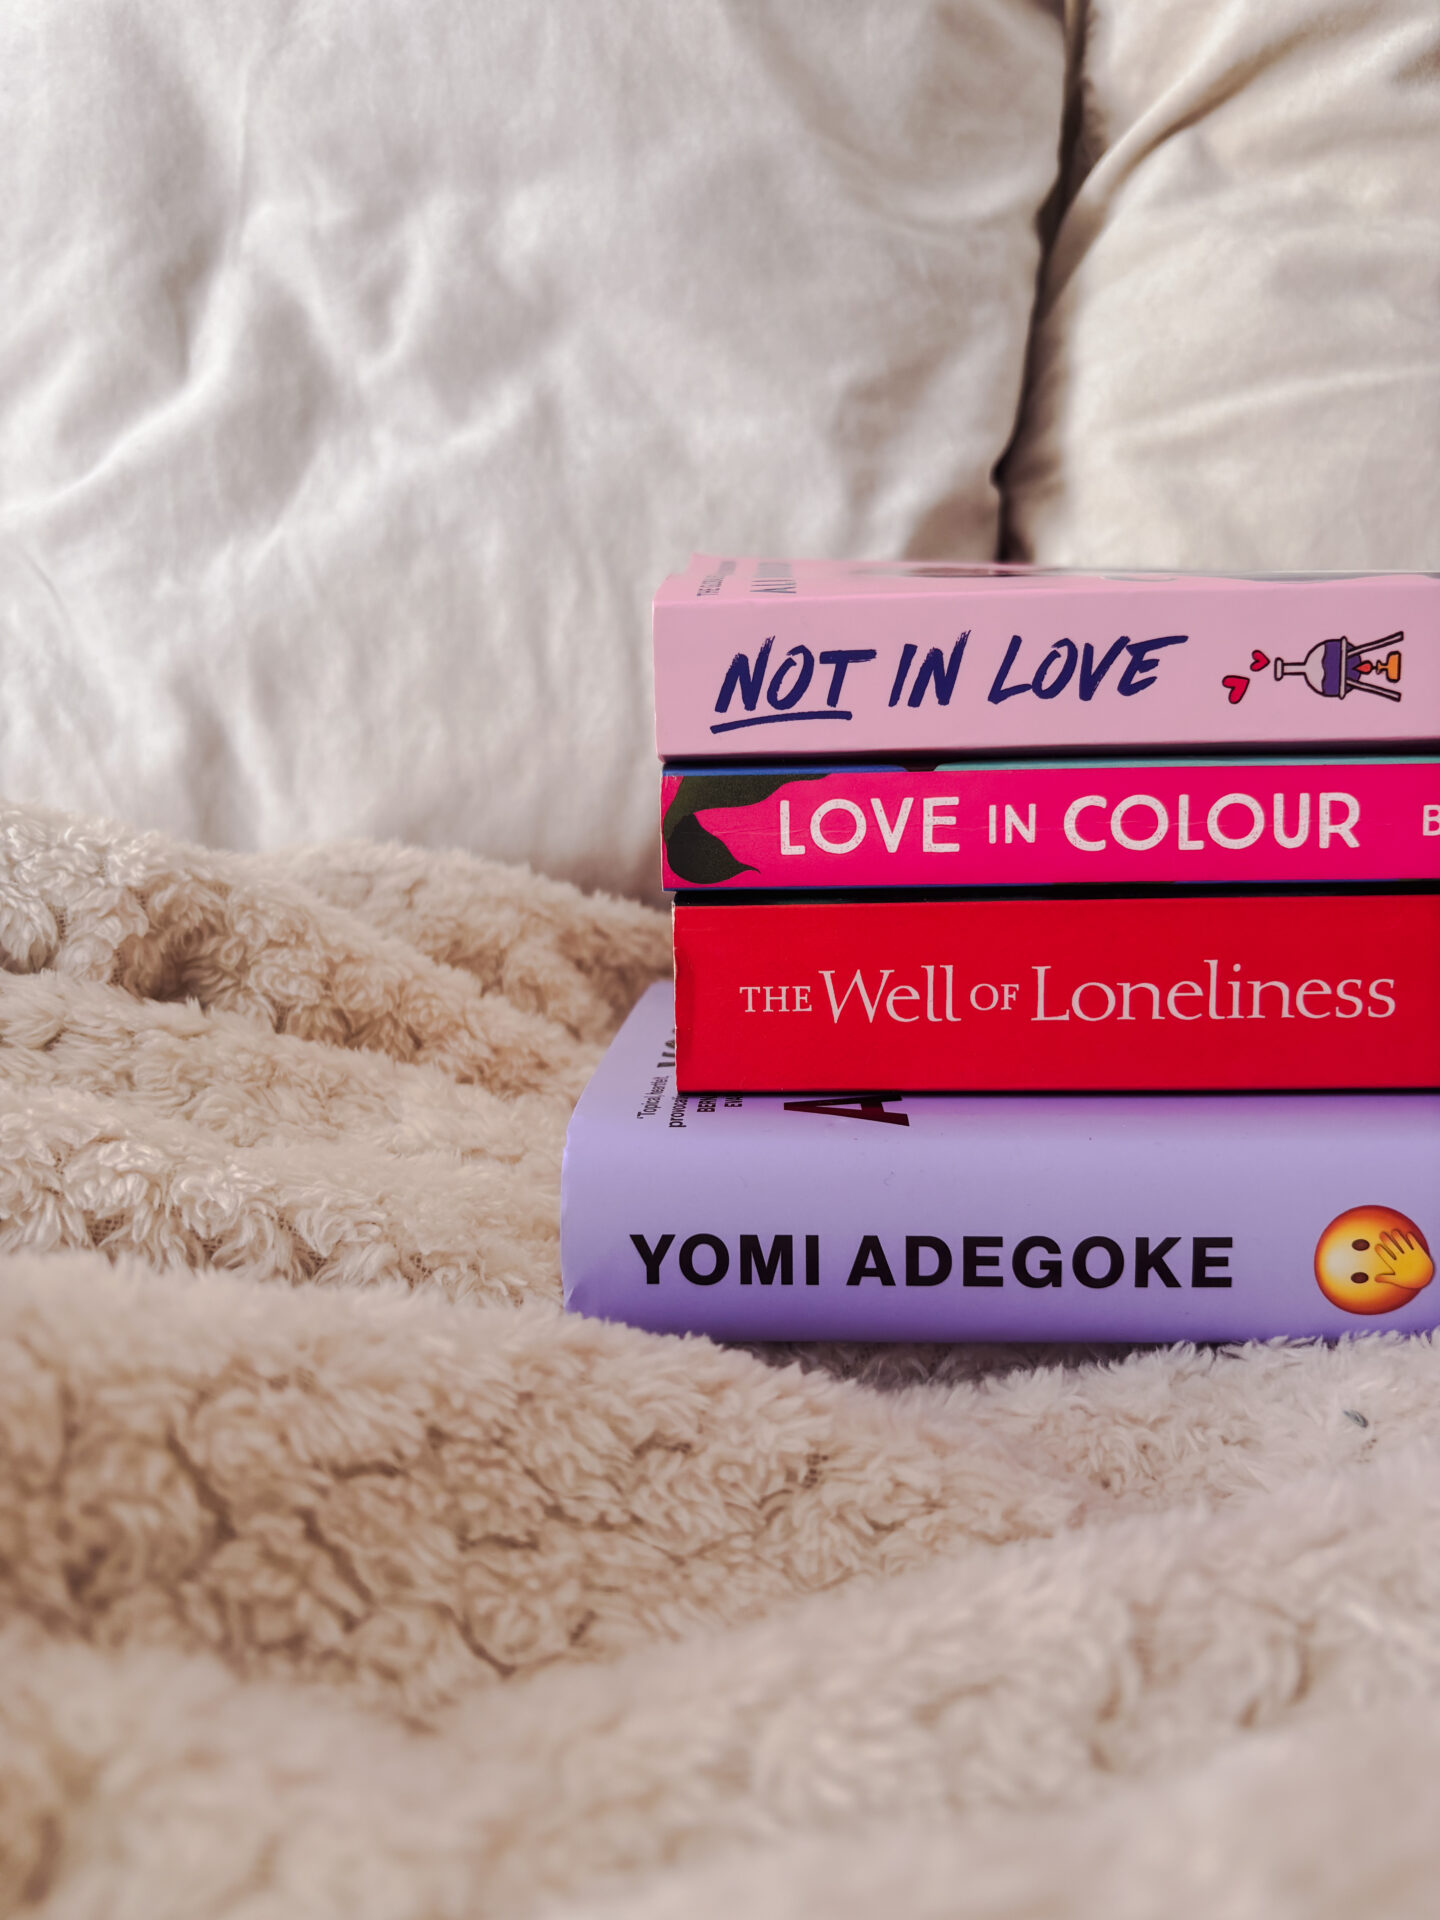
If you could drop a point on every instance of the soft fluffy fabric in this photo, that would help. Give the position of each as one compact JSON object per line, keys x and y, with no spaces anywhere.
{"x":366,"y":365}
{"x":342,"y":1574}
{"x":1237,"y":352}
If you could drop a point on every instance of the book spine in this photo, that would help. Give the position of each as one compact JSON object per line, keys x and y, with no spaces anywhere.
{"x":1150,"y":1218}
{"x":1203,"y":992}
{"x":1099,"y":663}
{"x":1102,"y":824}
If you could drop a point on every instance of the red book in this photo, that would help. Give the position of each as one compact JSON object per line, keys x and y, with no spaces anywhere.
{"x":1028,"y":995}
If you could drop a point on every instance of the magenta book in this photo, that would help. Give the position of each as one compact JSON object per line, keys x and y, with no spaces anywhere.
{"x":889,"y":1217}
{"x":989,"y":993}
{"x":782,"y":657}
{"x":1051,"y":823}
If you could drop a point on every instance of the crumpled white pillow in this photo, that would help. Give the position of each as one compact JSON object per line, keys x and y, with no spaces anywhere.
{"x":366,"y":365}
{"x":1237,"y":360}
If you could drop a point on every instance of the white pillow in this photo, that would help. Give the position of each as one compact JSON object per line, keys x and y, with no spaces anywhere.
{"x":366,"y":365}
{"x":1238,"y":358}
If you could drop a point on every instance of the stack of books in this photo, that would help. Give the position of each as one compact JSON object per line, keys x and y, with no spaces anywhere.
{"x":1057,"y":956}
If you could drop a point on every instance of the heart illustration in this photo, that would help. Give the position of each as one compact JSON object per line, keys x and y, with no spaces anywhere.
{"x":1259,"y":661}
{"x":1237,"y":685}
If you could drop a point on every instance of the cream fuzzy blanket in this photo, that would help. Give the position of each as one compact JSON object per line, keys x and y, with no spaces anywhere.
{"x":344,"y":1576}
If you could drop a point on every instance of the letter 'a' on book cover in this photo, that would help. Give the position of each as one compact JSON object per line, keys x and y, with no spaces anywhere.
{"x":1041,"y":823}
{"x":882,"y":1217}
{"x":781,"y":657}
{"x":1009,"y":995}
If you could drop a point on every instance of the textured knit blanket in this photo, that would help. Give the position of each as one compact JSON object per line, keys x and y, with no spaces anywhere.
{"x":343,"y":1575}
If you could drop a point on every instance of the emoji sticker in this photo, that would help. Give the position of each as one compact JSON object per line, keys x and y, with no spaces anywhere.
{"x":1372,"y":1260}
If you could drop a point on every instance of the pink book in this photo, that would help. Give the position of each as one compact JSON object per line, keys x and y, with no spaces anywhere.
{"x":839,"y":658}
{"x":1044,"y":823}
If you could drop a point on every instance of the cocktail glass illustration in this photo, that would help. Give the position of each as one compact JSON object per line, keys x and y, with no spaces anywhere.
{"x":1337,"y":667}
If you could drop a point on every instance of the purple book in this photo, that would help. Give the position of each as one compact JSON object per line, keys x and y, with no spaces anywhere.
{"x":994,"y":1217}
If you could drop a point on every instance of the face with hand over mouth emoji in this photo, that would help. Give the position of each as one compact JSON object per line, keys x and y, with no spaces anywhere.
{"x":1372,"y":1260}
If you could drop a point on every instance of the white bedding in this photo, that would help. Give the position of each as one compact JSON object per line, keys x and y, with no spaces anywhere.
{"x":364,"y":367}
{"x":1237,"y":362}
